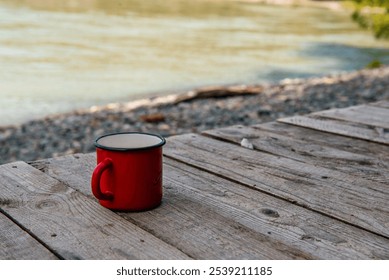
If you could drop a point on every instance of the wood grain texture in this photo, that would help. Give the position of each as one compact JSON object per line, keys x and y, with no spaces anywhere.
{"x":70,"y":224}
{"x":363,"y":114}
{"x":201,"y":210}
{"x":276,"y":142}
{"x":354,"y":200}
{"x":361,"y":131}
{"x":348,"y":144}
{"x":304,"y":230}
{"x":17,"y":244}
{"x":183,"y":220}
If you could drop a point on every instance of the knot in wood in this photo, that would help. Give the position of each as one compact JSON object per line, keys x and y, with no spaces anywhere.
{"x":46,"y":204}
{"x":270,"y":212}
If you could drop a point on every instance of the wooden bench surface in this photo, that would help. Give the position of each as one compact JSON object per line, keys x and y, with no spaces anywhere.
{"x":304,"y":187}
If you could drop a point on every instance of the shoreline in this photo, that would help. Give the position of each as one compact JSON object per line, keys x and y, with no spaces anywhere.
{"x":334,"y":5}
{"x":192,"y":111}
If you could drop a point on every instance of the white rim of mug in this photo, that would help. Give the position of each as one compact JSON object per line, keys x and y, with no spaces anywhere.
{"x":97,"y":145}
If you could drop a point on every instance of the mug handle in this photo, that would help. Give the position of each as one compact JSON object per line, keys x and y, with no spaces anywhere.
{"x":96,"y":177}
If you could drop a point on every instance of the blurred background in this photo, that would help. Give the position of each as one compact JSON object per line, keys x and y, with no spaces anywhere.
{"x":56,"y":56}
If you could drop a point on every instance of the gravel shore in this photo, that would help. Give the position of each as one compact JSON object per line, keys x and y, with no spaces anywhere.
{"x":193,"y":111}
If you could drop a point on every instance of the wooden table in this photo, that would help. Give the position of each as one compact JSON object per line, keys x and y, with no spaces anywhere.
{"x":305,"y":187}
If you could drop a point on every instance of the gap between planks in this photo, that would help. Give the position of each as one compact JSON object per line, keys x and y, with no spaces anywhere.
{"x":17,"y":244}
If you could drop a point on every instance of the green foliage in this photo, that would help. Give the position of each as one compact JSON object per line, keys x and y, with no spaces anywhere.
{"x":374,"y":15}
{"x":378,"y":3}
{"x":374,"y":64}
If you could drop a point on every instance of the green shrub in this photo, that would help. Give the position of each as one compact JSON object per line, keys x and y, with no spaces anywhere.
{"x":374,"y":64}
{"x":374,"y":15}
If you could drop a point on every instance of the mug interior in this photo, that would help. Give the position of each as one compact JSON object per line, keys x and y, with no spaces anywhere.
{"x":129,"y":141}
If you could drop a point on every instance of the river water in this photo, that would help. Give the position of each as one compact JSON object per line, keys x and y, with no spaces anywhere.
{"x":56,"y":56}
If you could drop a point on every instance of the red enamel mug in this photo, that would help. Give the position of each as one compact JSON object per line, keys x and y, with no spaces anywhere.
{"x":128,"y":175}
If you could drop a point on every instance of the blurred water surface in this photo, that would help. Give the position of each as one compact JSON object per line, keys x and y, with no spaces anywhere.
{"x":56,"y":56}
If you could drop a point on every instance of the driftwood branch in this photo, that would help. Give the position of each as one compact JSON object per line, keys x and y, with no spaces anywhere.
{"x":217,"y":91}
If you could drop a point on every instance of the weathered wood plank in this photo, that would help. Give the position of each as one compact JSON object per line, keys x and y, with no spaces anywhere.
{"x":348,"y":144}
{"x":307,"y":231}
{"x":320,"y":154}
{"x":69,"y":223}
{"x":193,"y":199}
{"x":354,"y":200}
{"x":182,"y":220}
{"x":16,"y":244}
{"x":382,"y":104}
{"x":375,"y":134}
{"x":363,"y":114}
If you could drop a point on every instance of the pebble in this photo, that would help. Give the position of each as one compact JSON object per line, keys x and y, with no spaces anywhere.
{"x":247,"y":144}
{"x":75,"y":132}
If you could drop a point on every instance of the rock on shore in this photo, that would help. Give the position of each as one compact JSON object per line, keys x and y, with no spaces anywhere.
{"x":193,"y":111}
